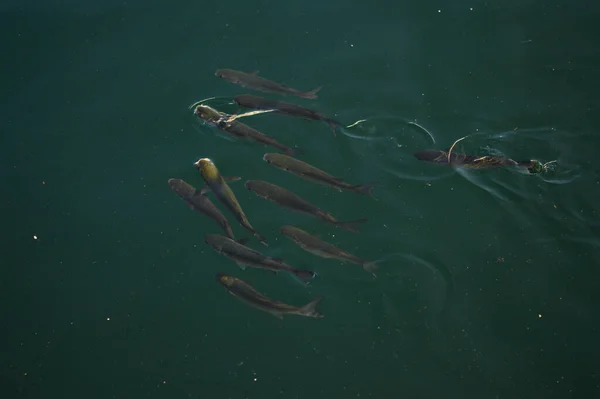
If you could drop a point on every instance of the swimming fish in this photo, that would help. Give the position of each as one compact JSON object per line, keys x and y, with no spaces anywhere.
{"x":200,"y":203}
{"x":282,"y":107}
{"x":323,"y":249}
{"x":471,"y":161}
{"x":248,"y":294}
{"x":238,"y":129}
{"x":291,"y":201}
{"x":245,"y":256}
{"x":309,"y":172}
{"x":253,"y":81}
{"x":217,"y":184}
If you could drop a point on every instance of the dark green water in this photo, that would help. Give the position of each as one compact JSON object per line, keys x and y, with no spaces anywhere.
{"x":117,"y":297}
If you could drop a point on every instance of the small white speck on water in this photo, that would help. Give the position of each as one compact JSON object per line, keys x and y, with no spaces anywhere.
{"x":351,"y":45}
{"x":439,"y":10}
{"x":470,"y":8}
{"x":35,"y":237}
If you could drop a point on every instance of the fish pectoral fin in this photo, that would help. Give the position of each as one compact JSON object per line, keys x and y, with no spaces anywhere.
{"x":278,"y":315}
{"x":231,"y":178}
{"x":241,"y":265}
{"x":204,"y":190}
{"x":255,"y":72}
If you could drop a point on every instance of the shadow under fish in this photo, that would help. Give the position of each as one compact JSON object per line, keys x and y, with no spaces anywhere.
{"x":282,"y":107}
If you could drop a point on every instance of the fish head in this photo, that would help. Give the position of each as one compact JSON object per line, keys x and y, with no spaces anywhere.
{"x":207,"y":113}
{"x":226,"y":74}
{"x":224,"y":279}
{"x":289,"y":231}
{"x":272,"y":158}
{"x":214,"y":241}
{"x":207,"y":168}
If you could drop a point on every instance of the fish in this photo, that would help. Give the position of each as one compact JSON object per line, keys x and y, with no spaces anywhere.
{"x":238,"y":129}
{"x":470,"y":161}
{"x":200,"y":203}
{"x":318,"y":247}
{"x":253,"y":81}
{"x":245,"y":292}
{"x":217,"y":184}
{"x":245,"y":256}
{"x":309,"y":172}
{"x":291,"y":201}
{"x":282,"y":107}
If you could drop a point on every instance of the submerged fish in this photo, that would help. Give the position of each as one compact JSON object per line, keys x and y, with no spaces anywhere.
{"x":238,"y":129}
{"x":248,"y":294}
{"x":323,"y":249}
{"x":282,"y":107}
{"x":245,"y":256}
{"x":253,"y":81}
{"x":309,"y":172}
{"x":217,"y":184}
{"x":201,"y":203}
{"x":291,"y":201}
{"x":472,"y":161}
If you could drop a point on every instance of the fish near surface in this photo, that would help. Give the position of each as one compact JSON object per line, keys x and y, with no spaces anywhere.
{"x":239,"y":129}
{"x":245,"y":256}
{"x":245,"y":292}
{"x":253,"y":81}
{"x":309,"y":172}
{"x":468,"y":161}
{"x":217,"y":184}
{"x":200,"y":203}
{"x":282,"y":107}
{"x":291,"y":201}
{"x":318,"y":247}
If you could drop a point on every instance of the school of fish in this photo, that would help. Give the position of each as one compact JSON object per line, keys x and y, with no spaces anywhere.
{"x":216,"y":187}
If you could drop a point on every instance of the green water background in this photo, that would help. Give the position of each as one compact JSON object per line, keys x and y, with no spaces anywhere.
{"x":116,"y":298}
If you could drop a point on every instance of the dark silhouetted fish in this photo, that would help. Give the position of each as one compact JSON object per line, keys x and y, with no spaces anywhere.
{"x":255,"y":102}
{"x":309,"y":172}
{"x":238,"y":129}
{"x":472,"y":161}
{"x":217,"y":184}
{"x":248,"y":294}
{"x":291,"y":201}
{"x":323,"y":249}
{"x":200,"y":203}
{"x":253,"y":81}
{"x":245,"y":256}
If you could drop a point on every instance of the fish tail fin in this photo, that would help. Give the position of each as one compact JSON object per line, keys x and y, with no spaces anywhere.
{"x":310,"y":309}
{"x":333,"y":125}
{"x":262,"y":239}
{"x":311,"y":94}
{"x":367,"y":189}
{"x":305,"y":275}
{"x":228,"y":231}
{"x":372,"y":267}
{"x":351,"y":225}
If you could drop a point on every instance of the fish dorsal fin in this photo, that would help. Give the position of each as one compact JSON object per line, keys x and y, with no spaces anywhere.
{"x":255,"y":72}
{"x":205,"y":189}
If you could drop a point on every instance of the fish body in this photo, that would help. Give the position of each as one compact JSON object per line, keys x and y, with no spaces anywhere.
{"x":255,"y":82}
{"x":245,"y":256}
{"x":217,"y":184}
{"x":238,"y":129}
{"x":282,"y":107}
{"x":468,"y":161}
{"x":323,"y":249}
{"x":309,"y":172}
{"x":200,"y":203}
{"x":245,"y":292}
{"x":291,"y":201}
